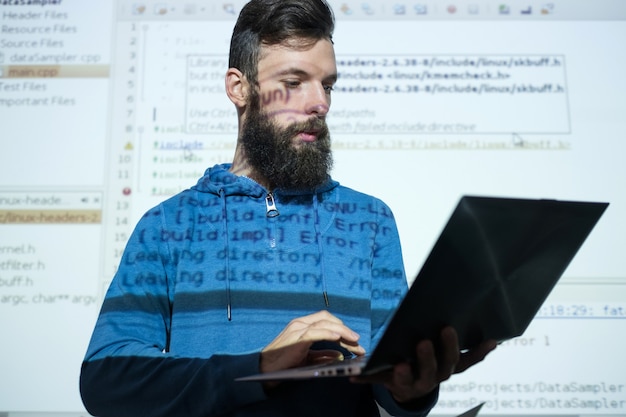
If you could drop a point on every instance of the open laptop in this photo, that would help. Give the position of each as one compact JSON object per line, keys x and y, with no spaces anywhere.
{"x":489,"y":272}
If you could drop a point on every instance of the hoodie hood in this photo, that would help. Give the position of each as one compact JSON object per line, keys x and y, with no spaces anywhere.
{"x":219,"y":180}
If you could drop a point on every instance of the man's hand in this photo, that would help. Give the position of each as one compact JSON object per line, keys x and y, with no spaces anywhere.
{"x":291,"y":347}
{"x":432,"y":367}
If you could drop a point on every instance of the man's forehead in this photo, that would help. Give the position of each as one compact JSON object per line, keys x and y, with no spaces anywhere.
{"x":291,"y":57}
{"x":296,"y":46}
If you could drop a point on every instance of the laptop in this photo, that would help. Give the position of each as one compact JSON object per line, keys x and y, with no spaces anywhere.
{"x":489,"y":272}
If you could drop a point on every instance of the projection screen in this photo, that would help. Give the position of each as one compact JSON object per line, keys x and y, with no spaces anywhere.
{"x":109,"y":107}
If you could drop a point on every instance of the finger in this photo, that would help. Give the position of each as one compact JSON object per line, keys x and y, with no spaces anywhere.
{"x":315,"y":334}
{"x":318,"y":316}
{"x":449,"y":354}
{"x":324,"y":330}
{"x":323,"y":320}
{"x":344,"y":332}
{"x":323,"y":356}
{"x":426,"y":361}
{"x":299,"y":332}
{"x":475,"y":355}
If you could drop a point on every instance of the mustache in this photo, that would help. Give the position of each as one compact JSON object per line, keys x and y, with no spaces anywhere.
{"x":314,"y":124}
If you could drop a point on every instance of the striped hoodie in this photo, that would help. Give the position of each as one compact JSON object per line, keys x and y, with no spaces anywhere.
{"x":212,"y":275}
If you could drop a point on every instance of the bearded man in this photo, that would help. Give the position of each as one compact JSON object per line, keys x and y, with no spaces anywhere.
{"x":265,"y":264}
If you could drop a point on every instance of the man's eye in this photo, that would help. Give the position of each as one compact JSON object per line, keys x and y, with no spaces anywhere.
{"x":329,"y":88}
{"x":291,"y":83}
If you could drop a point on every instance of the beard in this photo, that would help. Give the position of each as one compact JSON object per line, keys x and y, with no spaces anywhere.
{"x":272,"y":153}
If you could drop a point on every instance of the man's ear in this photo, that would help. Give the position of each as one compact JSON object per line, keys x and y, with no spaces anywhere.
{"x":237,"y":87}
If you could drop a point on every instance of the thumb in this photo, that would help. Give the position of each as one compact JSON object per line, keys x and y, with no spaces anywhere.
{"x":318,"y":357}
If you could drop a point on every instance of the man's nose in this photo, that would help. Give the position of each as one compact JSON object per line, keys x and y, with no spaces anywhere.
{"x":318,"y":102}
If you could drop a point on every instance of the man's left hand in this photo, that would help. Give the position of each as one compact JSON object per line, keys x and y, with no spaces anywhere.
{"x":432,"y":367}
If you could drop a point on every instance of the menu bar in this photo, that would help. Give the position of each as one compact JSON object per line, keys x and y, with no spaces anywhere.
{"x":393,"y":10}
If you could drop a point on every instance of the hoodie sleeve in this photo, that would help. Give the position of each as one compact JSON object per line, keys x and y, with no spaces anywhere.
{"x":419,"y":408}
{"x":127,"y":364}
{"x":387,"y":262}
{"x":120,"y":386}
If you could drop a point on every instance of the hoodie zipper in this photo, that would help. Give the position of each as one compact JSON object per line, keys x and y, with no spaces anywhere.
{"x":270,"y":206}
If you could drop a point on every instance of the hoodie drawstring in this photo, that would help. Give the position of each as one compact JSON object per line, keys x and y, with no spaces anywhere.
{"x":320,"y":246}
{"x":227,"y":251}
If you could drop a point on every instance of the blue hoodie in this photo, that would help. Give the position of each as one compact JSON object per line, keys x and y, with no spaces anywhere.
{"x":212,"y":275}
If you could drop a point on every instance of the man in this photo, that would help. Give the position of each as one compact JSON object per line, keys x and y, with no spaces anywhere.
{"x":265,"y":264}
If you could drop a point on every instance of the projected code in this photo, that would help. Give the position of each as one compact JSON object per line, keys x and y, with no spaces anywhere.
{"x":582,"y":311}
{"x":576,"y":389}
{"x":570,"y":396}
{"x":455,"y":94}
{"x":440,"y":94}
{"x":31,"y":256}
{"x":453,"y":68}
{"x":508,"y":142}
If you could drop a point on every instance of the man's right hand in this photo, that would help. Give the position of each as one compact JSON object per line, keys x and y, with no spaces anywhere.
{"x":291,"y":347}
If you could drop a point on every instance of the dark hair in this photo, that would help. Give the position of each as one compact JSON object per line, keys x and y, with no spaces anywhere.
{"x":297,"y":23}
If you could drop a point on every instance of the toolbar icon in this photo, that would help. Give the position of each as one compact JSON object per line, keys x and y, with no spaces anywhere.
{"x":399,"y":9}
{"x":421,"y":9}
{"x":547,"y":8}
{"x":367,"y":9}
{"x":229,"y":8}
{"x":160,"y":9}
{"x":139,"y":9}
{"x":345,"y":9}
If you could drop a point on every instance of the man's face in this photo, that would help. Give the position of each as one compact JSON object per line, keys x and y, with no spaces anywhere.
{"x":285,"y":135}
